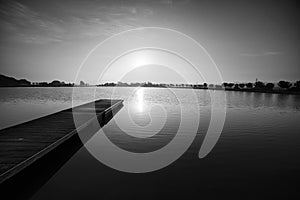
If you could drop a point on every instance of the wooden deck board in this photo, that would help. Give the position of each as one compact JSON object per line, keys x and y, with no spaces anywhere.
{"x":23,"y":144}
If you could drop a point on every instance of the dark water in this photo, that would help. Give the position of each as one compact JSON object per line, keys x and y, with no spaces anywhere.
{"x":256,"y":157}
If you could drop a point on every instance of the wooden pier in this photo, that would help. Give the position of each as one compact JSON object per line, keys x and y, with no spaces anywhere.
{"x":23,"y":144}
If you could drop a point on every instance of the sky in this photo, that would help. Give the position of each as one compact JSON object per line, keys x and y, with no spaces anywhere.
{"x":45,"y":40}
{"x":143,"y":73}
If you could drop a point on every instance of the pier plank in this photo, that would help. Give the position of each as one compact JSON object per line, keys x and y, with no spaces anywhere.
{"x":23,"y":144}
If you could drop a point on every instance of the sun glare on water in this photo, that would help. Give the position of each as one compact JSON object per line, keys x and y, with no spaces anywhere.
{"x":140,"y":99}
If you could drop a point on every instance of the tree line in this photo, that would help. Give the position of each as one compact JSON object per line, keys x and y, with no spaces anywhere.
{"x":259,"y":85}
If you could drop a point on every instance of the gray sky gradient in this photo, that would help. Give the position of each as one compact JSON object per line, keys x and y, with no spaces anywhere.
{"x":46,"y":40}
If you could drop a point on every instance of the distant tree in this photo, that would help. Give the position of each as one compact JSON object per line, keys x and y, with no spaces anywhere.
{"x":297,"y":84}
{"x":230,"y":85}
{"x":218,"y":87}
{"x":55,"y":83}
{"x":241,"y":85}
{"x":24,"y":82}
{"x":211,"y":85}
{"x":82,"y":83}
{"x":236,"y":86}
{"x":249,"y":85}
{"x":270,"y":86}
{"x":205,"y":85}
{"x":284,"y":84}
{"x":108,"y":84}
{"x":43,"y":84}
{"x":259,"y":84}
{"x":225,"y":84}
{"x":6,"y":81}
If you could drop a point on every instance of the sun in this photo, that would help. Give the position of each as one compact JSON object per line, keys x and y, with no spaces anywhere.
{"x":140,"y":58}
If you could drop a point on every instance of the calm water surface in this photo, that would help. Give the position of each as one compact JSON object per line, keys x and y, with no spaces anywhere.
{"x":257,"y":155}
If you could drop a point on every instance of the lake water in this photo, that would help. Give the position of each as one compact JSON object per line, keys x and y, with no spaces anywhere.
{"x":257,"y":155}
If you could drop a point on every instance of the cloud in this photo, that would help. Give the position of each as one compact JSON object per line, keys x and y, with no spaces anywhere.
{"x":261,"y":54}
{"x":22,"y":23}
{"x":272,"y":53}
{"x":167,"y":2}
{"x":174,"y":2}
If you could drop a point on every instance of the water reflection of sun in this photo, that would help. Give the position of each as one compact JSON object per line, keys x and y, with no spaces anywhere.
{"x":140,"y":99}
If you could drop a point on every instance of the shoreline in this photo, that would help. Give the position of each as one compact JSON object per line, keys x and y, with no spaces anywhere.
{"x":287,"y":92}
{"x":265,"y":91}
